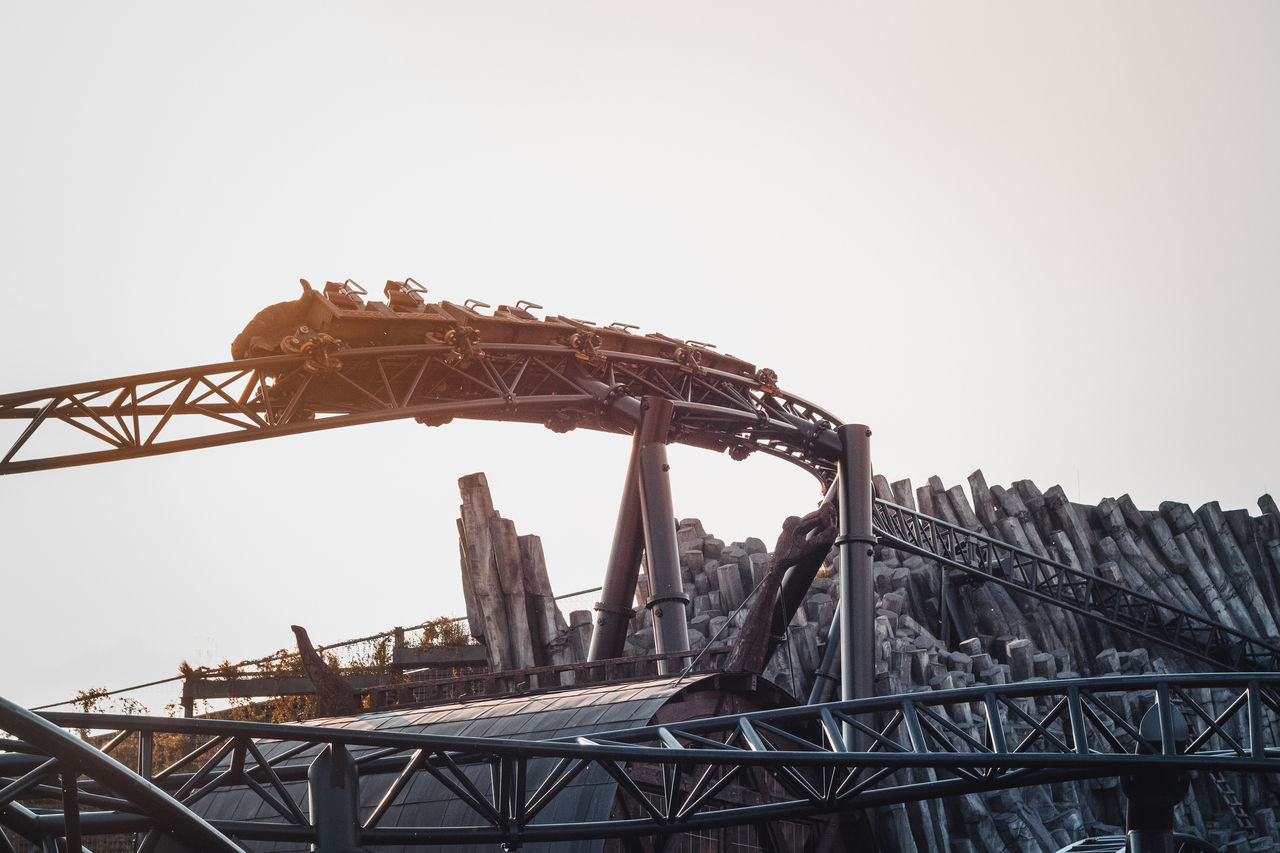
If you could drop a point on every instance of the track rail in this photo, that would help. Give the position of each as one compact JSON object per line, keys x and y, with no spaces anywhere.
{"x":553,"y":384}
{"x":564,"y":388}
{"x":986,"y":559}
{"x":798,"y":761}
{"x":218,"y":404}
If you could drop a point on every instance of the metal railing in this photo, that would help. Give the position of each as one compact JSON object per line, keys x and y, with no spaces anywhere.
{"x":675,"y":777}
{"x":1095,"y":597}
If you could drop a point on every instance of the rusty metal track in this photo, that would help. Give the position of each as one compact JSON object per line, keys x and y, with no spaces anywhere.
{"x":172,"y":411}
{"x":800,"y":762}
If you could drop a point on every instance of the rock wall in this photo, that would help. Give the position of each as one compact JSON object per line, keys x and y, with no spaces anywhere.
{"x":510,"y":606}
{"x":1224,"y":565}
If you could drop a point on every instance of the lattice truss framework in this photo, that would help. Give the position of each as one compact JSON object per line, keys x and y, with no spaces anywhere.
{"x":205,"y":406}
{"x":799,"y":762}
{"x":170,"y":411}
{"x":985,"y":559}
{"x":794,"y":763}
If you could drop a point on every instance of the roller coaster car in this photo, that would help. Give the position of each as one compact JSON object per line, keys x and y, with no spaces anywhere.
{"x":342,"y":313}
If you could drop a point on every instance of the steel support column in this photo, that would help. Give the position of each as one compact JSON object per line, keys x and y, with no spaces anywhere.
{"x":614,"y":610}
{"x":856,"y":542}
{"x":827,"y":675}
{"x":333,"y":787}
{"x":618,"y":590}
{"x":1153,"y":795}
{"x":667,"y":600}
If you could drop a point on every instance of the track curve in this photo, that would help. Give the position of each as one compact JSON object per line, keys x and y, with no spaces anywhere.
{"x":549,"y":383}
{"x":568,"y":375}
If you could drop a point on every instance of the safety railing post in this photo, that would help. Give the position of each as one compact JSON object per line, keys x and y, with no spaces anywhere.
{"x":333,"y":788}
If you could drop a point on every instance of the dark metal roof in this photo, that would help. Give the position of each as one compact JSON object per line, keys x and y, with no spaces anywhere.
{"x":543,"y":716}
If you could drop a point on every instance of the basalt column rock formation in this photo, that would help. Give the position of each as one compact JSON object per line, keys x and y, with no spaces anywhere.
{"x":510,"y":606}
{"x":1223,"y":565}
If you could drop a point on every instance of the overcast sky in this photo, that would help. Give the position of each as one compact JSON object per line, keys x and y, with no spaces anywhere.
{"x":1036,"y":239}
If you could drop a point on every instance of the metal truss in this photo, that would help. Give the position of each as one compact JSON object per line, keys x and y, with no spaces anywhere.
{"x":789,"y":764}
{"x":1106,"y":601}
{"x":1118,"y":844}
{"x":553,"y":384}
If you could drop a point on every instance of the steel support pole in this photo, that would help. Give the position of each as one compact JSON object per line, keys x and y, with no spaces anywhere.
{"x":667,"y":603}
{"x":1153,"y":795}
{"x":630,"y":532}
{"x":827,"y":675}
{"x":71,"y":805}
{"x":856,"y":543}
{"x":333,"y":788}
{"x":618,"y":590}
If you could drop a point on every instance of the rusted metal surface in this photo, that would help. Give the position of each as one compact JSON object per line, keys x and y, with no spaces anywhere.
{"x":546,"y":382}
{"x":406,"y":319}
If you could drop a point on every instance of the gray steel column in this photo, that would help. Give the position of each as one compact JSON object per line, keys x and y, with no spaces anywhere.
{"x":857,"y":590}
{"x":618,"y":590}
{"x":630,"y":533}
{"x":667,"y":600}
{"x":826,"y":676}
{"x":333,"y":789}
{"x":1154,"y":794}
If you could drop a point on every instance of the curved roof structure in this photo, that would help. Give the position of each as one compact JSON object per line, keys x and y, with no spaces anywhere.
{"x":591,"y":795}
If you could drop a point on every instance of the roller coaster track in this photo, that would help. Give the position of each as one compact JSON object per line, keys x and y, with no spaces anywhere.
{"x":552,"y":384}
{"x":799,"y":761}
{"x":986,"y":559}
{"x":564,"y":388}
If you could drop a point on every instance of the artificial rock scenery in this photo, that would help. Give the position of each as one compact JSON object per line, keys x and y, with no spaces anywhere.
{"x":1224,"y":565}
{"x":510,"y":606}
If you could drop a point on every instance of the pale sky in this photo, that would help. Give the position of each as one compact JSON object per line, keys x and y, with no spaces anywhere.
{"x":1036,"y":239}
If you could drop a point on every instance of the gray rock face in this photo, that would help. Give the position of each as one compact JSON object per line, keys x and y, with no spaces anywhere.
{"x":1224,"y":565}
{"x":510,"y":604}
{"x":1210,"y":562}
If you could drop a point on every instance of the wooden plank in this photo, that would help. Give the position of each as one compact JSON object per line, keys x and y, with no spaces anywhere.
{"x":439,"y":656}
{"x":250,"y":688}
